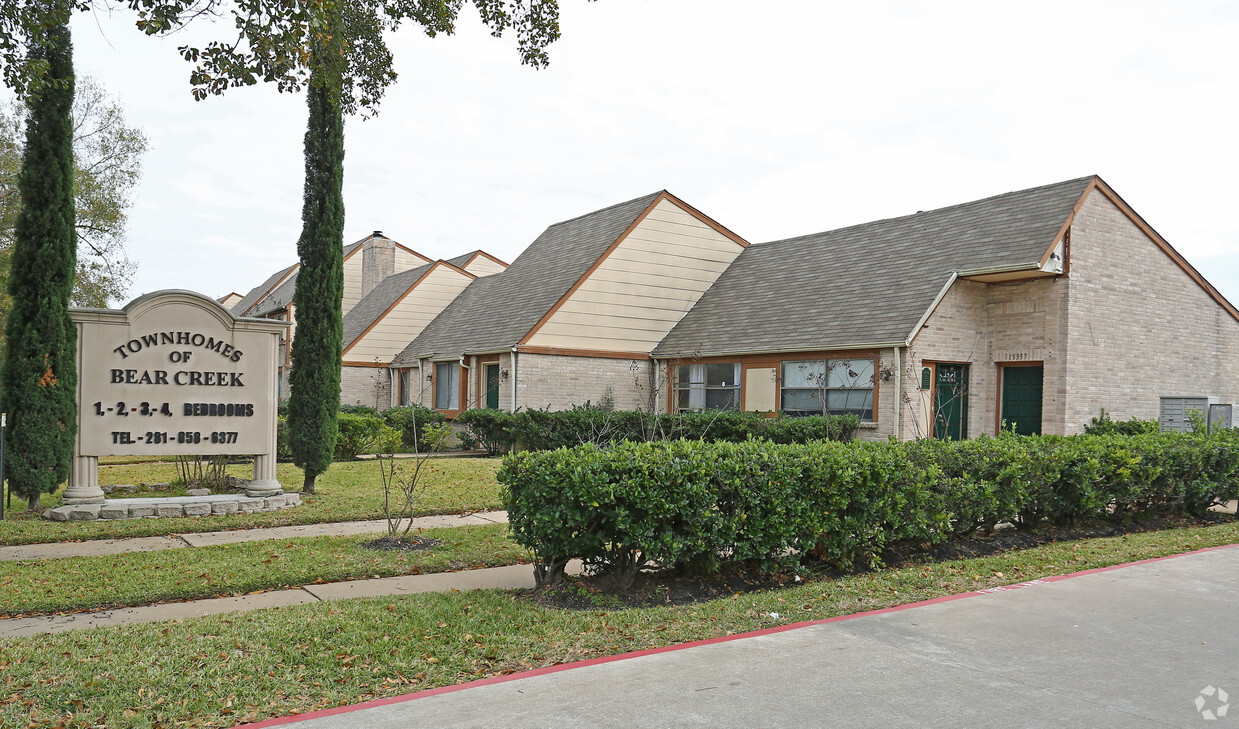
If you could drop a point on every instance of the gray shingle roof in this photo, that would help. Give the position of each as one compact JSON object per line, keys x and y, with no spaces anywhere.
{"x":260,"y":291}
{"x":262,"y":302}
{"x":374,"y":304}
{"x":278,"y":299}
{"x":865,"y":284}
{"x":460,"y":261}
{"x":496,"y":311}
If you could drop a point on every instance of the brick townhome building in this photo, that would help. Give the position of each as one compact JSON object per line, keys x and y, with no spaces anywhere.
{"x":1037,"y":308}
{"x":390,"y":293}
{"x":576,"y":315}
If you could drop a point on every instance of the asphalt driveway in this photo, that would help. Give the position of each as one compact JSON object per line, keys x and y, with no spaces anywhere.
{"x":1152,"y":644}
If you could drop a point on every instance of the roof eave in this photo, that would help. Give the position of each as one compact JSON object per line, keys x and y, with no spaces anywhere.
{"x":787,"y":350}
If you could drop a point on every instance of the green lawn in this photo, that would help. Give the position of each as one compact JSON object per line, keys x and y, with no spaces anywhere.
{"x":348,"y":491}
{"x":140,"y":578}
{"x":224,"y":670}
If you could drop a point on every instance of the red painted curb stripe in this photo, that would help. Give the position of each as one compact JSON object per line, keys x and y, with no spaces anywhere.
{"x":709,"y":641}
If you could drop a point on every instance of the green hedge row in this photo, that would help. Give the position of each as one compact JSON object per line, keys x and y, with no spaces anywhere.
{"x":364,"y":430}
{"x":691,"y":504}
{"x":1103,"y":424}
{"x":541,"y":430}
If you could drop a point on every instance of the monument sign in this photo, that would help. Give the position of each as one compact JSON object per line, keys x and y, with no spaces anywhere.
{"x":173,"y":373}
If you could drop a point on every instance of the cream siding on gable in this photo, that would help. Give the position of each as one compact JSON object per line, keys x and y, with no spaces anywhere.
{"x":406,"y":260}
{"x":409,"y":316}
{"x":646,"y":284}
{"x":483,"y":266}
{"x":352,"y":281}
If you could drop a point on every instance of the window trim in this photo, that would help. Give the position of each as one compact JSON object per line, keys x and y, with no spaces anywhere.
{"x":676,"y":389}
{"x":774,"y":360}
{"x":404,"y":384}
{"x":874,"y":358}
{"x":461,"y":383}
{"x":481,"y":363}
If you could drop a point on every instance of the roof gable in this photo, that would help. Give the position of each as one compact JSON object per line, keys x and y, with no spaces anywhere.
{"x":376,"y":303}
{"x":387,"y":296}
{"x":496,"y":312}
{"x":262,"y":290}
{"x":867,"y":284}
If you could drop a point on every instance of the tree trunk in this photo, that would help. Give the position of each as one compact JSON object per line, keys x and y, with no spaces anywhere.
{"x":308,"y":486}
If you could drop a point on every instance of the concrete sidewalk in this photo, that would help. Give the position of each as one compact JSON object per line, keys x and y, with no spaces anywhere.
{"x":511,"y":577}
{"x":504,"y":578}
{"x":56,"y":550}
{"x":1147,"y":645}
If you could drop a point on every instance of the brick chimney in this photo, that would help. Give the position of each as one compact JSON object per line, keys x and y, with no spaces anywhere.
{"x":378,"y":260}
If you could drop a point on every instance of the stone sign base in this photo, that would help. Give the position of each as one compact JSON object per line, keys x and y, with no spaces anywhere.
{"x":173,"y":506}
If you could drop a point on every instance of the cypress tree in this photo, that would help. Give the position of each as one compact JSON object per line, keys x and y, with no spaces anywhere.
{"x":40,"y":374}
{"x":317,"y":345}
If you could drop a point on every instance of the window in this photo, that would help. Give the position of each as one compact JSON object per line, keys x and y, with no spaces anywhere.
{"x":447,"y":386}
{"x":828,"y":387}
{"x":405,"y":386}
{"x":711,"y":386}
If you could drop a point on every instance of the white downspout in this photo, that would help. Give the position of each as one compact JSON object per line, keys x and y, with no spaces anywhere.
{"x":898,"y":391}
{"x":514,"y":379}
{"x":655,"y":381}
{"x":465,"y":405}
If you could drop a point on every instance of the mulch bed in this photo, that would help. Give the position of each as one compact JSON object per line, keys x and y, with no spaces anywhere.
{"x":668,"y":587}
{"x":410,"y":543}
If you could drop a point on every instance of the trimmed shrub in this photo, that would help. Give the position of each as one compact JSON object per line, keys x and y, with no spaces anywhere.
{"x":358,"y":410}
{"x":1104,"y":425}
{"x":283,"y":451}
{"x":693,"y":505}
{"x":546,"y":430}
{"x":413,"y":423}
{"x":789,"y":429}
{"x":488,"y":429}
{"x":358,"y":434}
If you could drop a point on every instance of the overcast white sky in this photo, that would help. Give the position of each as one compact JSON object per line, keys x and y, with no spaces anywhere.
{"x":776,"y":120}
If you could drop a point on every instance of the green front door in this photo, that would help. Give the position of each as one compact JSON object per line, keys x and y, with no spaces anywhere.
{"x":951,"y":402}
{"x":490,"y":375}
{"x":1021,"y":399}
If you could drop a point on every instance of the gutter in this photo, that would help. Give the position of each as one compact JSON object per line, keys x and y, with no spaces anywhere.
{"x":795,"y":350}
{"x":1034,"y":266}
{"x":929,"y":312}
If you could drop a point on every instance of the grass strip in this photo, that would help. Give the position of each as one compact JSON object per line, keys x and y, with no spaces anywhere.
{"x":223,"y":670}
{"x":348,"y":491}
{"x":142,"y":578}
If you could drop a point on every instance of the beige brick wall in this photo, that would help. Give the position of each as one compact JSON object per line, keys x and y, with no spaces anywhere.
{"x":1140,"y":327}
{"x":1124,"y":327}
{"x":984,"y":325}
{"x":561,"y":382}
{"x":364,"y":386}
{"x":888,"y":399}
{"x":955,"y":332}
{"x":476,"y":397}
